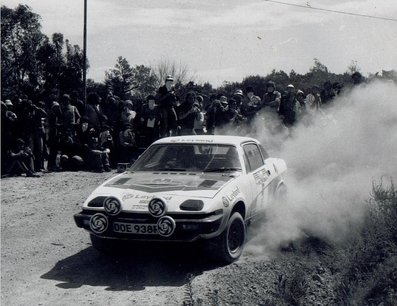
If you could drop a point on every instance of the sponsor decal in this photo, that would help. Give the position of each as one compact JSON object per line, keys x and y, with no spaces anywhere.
{"x":261,"y":176}
{"x":166,"y":226}
{"x":225,"y":202}
{"x":112,"y":206}
{"x":99,"y":223}
{"x":128,"y":196}
{"x":139,"y":206}
{"x":157,"y":207}
{"x":233,"y":195}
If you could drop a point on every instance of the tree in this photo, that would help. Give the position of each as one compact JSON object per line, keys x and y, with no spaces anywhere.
{"x":21,"y":37}
{"x":71,"y":77}
{"x":125,"y":81}
{"x":180,"y":72}
{"x":119,"y":79}
{"x":144,"y":81}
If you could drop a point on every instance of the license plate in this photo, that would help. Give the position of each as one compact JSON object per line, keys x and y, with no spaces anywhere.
{"x":133,"y":228}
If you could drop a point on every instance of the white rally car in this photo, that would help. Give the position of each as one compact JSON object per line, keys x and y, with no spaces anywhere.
{"x":184,"y":189}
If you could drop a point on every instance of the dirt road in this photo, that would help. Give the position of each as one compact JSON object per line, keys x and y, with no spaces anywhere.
{"x":47,"y":260}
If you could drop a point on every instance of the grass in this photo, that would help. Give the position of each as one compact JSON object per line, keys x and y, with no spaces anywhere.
{"x":362,"y":271}
{"x":369,"y":272}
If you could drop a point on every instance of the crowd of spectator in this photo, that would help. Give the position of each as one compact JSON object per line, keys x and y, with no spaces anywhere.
{"x":99,"y":134}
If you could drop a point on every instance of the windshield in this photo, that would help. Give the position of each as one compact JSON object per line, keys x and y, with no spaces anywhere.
{"x":188,"y":157}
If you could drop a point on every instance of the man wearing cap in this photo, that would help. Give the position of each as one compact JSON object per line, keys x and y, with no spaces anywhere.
{"x":287,"y":110}
{"x":166,"y":100}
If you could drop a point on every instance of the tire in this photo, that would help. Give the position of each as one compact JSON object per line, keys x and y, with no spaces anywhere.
{"x":232,"y":240}
{"x":104,"y":245}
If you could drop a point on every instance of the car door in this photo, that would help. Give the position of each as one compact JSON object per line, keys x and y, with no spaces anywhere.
{"x":257,"y":174}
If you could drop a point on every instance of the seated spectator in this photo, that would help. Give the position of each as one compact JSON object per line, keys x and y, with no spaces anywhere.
{"x":96,"y":157}
{"x":21,"y":160}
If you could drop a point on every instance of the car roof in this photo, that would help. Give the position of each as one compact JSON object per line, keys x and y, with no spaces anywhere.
{"x":214,"y":139}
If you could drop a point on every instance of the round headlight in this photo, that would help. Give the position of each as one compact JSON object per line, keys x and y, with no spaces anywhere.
{"x":99,"y":223}
{"x":166,"y":226}
{"x":112,"y":206}
{"x":157,"y":207}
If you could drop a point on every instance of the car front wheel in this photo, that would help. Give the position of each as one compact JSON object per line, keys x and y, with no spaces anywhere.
{"x":232,"y":239}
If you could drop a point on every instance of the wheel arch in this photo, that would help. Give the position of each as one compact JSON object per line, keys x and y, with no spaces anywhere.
{"x":240,"y":208}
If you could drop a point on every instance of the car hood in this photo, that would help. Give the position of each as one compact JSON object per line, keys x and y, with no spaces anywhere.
{"x":204,"y":185}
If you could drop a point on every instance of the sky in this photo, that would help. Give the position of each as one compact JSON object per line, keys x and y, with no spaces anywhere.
{"x":226,"y":40}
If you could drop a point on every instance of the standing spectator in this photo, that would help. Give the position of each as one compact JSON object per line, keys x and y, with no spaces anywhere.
{"x":313,"y":99}
{"x":8,"y":121}
{"x":251,"y":104}
{"x":234,"y":113}
{"x":272,"y":98}
{"x":238,"y":97}
{"x":70,"y":115}
{"x":287,"y":110}
{"x":54,"y":126}
{"x":221,"y":112}
{"x":150,"y":121}
{"x":128,"y":114}
{"x":166,"y":99}
{"x":210,"y":114}
{"x":187,"y":113}
{"x":93,"y":113}
{"x":328,"y":93}
{"x":109,"y":107}
{"x":199,"y":120}
{"x":39,"y":135}
{"x":75,"y":101}
{"x":301,"y":105}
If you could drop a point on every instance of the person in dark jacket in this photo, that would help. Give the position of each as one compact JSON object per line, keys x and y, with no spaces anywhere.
{"x":166,"y":100}
{"x":21,"y":160}
{"x":187,"y":113}
{"x":287,"y":110}
{"x":150,"y":121}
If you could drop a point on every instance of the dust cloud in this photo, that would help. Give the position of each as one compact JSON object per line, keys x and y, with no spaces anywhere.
{"x":332,"y":164}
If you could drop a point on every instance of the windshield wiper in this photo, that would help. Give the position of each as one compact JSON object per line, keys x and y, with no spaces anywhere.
{"x":223,"y":169}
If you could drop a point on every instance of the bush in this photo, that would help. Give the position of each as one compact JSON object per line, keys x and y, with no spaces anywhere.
{"x":370,"y":273}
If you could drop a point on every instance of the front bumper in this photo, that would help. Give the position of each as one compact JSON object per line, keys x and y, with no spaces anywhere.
{"x":188,"y":227}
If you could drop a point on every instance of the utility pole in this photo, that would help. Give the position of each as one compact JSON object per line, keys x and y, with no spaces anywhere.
{"x":85,"y":53}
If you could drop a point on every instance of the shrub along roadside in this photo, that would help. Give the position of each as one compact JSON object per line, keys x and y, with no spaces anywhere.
{"x":369,"y":272}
